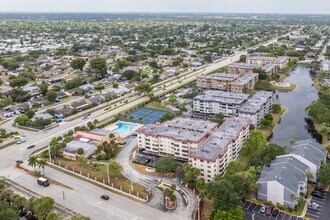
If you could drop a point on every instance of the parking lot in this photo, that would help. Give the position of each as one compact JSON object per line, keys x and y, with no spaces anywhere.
{"x":323,"y":211}
{"x":259,"y":216}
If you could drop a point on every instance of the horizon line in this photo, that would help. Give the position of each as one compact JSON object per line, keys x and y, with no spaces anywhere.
{"x":156,"y":12}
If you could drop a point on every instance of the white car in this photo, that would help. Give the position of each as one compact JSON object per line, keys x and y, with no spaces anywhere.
{"x":313,"y":204}
{"x":263,"y":209}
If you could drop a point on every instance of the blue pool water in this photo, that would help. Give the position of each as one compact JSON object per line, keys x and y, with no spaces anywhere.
{"x":123,"y":128}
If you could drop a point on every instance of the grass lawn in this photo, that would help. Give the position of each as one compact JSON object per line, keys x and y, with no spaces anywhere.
{"x":300,"y":207}
{"x":68,"y":98}
{"x":276,"y":118}
{"x":207,"y":208}
{"x":142,"y":169}
{"x":290,"y":88}
{"x":101,"y":174}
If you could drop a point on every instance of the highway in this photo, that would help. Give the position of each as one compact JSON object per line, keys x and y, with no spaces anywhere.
{"x":84,"y":198}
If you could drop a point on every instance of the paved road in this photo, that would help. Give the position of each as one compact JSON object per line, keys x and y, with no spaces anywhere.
{"x":184,"y":211}
{"x":85,"y":197}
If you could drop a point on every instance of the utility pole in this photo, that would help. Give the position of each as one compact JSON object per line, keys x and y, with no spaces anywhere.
{"x":49,"y":155}
{"x":64,"y":202}
{"x":108,"y":174}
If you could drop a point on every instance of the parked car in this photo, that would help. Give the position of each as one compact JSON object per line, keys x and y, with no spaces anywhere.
{"x":19,"y":161}
{"x":31,"y":146}
{"x":275,"y":212}
{"x":312,"y":207}
{"x":21,"y":141}
{"x":318,"y":194}
{"x":319,"y":188}
{"x":269,"y":210}
{"x":263,"y":209}
{"x":105,"y":197}
{"x":252,"y":206}
{"x":313,"y":204}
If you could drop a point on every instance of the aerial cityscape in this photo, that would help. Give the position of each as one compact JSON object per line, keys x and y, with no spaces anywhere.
{"x":154,"y":110}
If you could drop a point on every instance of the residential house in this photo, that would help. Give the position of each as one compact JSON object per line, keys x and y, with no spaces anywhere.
{"x":284,"y":180}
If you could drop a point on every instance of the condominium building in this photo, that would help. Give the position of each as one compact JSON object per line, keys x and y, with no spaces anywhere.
{"x":281,"y":62}
{"x":256,"y":107}
{"x":260,"y":60}
{"x":246,"y":82}
{"x":175,"y":137}
{"x":222,"y":147}
{"x":241,"y":68}
{"x":228,"y":82}
{"x":212,"y":102}
{"x":204,"y":144}
{"x":218,"y":81}
{"x":270,"y":69}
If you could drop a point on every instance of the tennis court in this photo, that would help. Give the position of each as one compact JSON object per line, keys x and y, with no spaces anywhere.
{"x":140,"y":113}
{"x":145,"y":116}
{"x":153,"y":117}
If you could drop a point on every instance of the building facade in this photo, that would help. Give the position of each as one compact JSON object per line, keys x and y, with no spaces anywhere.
{"x":204,"y":144}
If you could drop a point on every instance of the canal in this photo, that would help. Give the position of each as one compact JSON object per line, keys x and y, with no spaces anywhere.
{"x":293,"y":120}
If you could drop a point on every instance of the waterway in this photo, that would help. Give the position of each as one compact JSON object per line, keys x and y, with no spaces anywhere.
{"x":293,"y":122}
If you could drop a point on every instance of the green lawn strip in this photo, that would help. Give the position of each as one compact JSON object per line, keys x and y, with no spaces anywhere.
{"x":101,"y":174}
{"x":276,"y":118}
{"x":7,"y":145}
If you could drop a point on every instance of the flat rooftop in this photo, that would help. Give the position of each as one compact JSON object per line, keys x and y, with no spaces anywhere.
{"x":222,"y":97}
{"x":254,"y":104}
{"x":244,"y":65}
{"x":217,"y":144}
{"x":261,"y":58}
{"x":187,"y":129}
{"x":245,"y":78}
{"x":73,"y":146}
{"x":268,"y":67}
{"x":220,"y":76}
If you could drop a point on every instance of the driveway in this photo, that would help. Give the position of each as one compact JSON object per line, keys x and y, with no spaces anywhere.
{"x":183,"y":211}
{"x":250,"y":211}
{"x":323,"y":211}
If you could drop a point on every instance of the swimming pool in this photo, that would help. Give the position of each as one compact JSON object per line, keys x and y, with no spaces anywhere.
{"x":123,"y":128}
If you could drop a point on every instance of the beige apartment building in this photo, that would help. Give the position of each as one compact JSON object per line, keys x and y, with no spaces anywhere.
{"x":223,"y":147}
{"x":202,"y":143}
{"x":217,"y":81}
{"x":241,"y":68}
{"x":228,"y":82}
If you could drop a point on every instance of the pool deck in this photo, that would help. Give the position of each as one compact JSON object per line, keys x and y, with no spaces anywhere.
{"x":114,"y":126}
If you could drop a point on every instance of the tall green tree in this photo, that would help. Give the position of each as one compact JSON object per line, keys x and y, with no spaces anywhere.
{"x":78,"y":63}
{"x":99,"y":65}
{"x":8,"y":212}
{"x":33,"y":161}
{"x":43,"y":206}
{"x":166,"y":164}
{"x":51,"y":96}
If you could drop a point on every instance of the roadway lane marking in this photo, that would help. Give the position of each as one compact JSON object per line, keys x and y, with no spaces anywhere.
{"x":107,"y":210}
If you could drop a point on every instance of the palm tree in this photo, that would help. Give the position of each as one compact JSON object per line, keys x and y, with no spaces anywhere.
{"x":32,"y":161}
{"x":41,"y":164}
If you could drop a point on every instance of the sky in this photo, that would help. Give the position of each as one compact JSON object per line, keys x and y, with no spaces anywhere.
{"x":227,"y":6}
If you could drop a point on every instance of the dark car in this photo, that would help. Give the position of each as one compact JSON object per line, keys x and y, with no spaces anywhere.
{"x":105,"y":197}
{"x":275,"y":212}
{"x":269,"y":210}
{"x":31,"y":146}
{"x":318,"y":194}
{"x":252,"y":206}
{"x":19,"y":161}
{"x":319,"y":188}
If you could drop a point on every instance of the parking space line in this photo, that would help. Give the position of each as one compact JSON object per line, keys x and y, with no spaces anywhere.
{"x":314,"y":216}
{"x":283,"y":216}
